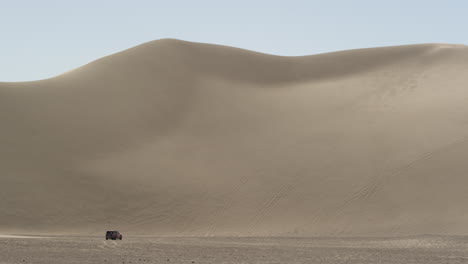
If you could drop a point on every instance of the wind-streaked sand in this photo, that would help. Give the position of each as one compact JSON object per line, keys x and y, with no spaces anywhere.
{"x":19,"y":236}
{"x":186,"y":139}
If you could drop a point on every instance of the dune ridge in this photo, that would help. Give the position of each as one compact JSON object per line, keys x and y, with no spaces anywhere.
{"x":188,"y":139}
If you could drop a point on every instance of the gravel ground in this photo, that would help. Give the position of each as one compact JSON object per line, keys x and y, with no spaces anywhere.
{"x":426,"y":249}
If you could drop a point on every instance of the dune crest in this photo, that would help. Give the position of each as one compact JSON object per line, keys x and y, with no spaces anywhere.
{"x":181,"y":138}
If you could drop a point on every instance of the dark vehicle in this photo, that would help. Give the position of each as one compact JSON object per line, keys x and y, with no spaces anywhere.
{"x":113,"y":235}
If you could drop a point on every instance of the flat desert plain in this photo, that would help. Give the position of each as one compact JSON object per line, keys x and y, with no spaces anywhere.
{"x":140,"y":250}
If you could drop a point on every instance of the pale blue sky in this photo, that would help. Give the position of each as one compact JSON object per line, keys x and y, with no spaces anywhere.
{"x":43,"y":38}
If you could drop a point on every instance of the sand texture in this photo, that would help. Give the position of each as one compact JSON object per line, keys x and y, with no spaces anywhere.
{"x":187,"y":139}
{"x":215,"y":250}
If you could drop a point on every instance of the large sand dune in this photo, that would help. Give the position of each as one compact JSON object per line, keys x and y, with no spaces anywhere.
{"x":180,"y":138}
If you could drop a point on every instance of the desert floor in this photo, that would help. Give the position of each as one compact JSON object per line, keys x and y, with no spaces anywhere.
{"x":424,"y":249}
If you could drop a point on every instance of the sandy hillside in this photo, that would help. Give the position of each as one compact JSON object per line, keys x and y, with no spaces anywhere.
{"x":180,"y":138}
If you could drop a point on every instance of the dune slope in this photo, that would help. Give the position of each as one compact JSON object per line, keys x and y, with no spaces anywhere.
{"x":181,"y":138}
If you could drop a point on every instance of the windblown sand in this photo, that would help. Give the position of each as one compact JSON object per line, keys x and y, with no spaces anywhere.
{"x":187,"y":139}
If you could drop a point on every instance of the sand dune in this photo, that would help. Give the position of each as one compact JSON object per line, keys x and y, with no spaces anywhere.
{"x":181,"y":138}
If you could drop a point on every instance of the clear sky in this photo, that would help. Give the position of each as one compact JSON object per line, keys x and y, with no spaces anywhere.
{"x":43,"y":38}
